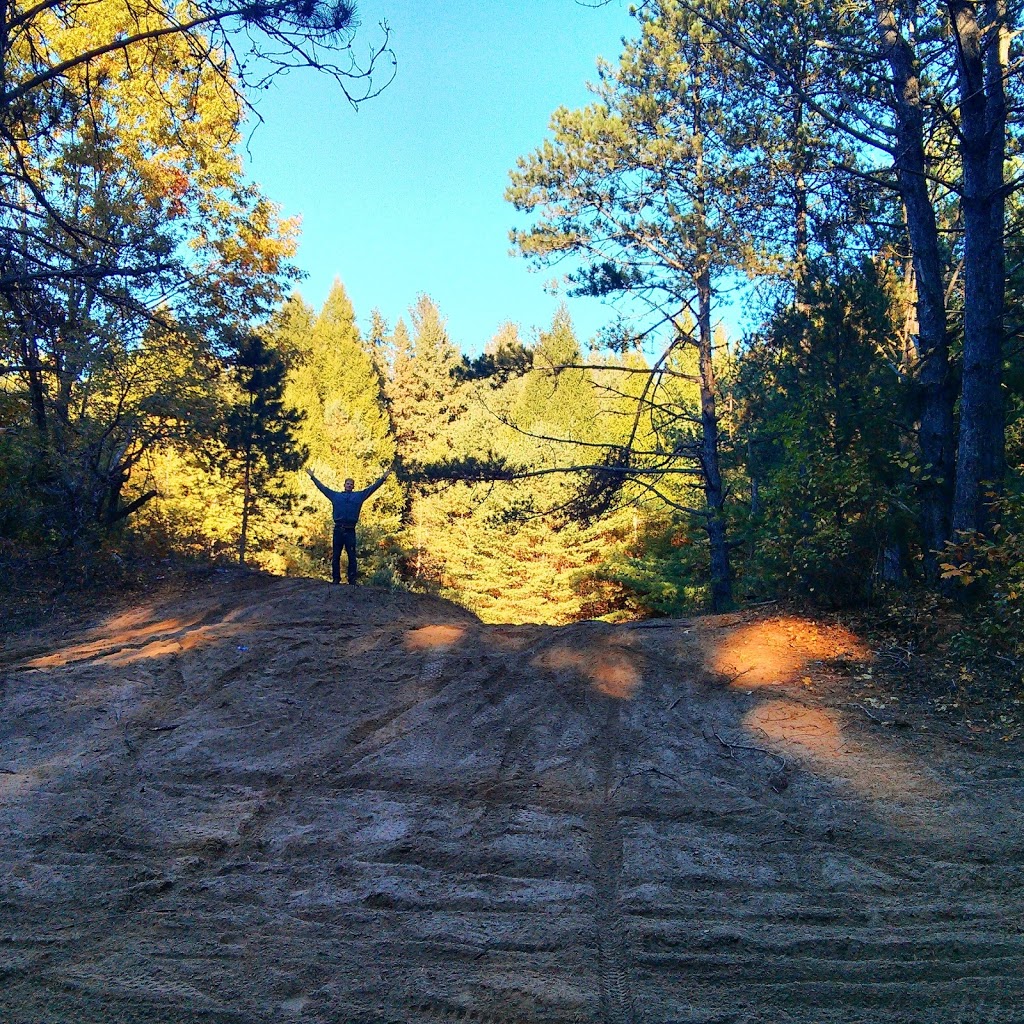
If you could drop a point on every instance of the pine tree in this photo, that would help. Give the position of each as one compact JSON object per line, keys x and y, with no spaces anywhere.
{"x":290,"y":326}
{"x":504,"y":357}
{"x":339,"y":389}
{"x":423,"y":392}
{"x":513,"y":551}
{"x":645,"y":189}
{"x":346,"y":428}
{"x":818,"y":395}
{"x":557,"y":399}
{"x":260,"y":428}
{"x":380,"y":344}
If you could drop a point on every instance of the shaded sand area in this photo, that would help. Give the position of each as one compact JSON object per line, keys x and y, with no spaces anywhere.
{"x":274,"y":801}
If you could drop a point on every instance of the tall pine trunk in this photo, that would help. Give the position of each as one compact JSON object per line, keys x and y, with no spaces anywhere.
{"x":711,"y":466}
{"x":981,"y":64}
{"x":710,"y":460}
{"x":935,"y":393}
{"x":246,"y":501}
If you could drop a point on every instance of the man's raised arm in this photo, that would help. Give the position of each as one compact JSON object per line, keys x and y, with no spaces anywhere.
{"x":322,"y":488}
{"x":376,"y":483}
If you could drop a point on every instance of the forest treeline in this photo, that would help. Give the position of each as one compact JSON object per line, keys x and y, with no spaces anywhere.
{"x":850,"y":171}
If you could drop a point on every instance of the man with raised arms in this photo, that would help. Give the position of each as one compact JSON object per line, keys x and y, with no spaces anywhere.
{"x":347,"y":506}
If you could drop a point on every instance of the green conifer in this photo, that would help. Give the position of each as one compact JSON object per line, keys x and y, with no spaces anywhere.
{"x":347,"y":428}
{"x":423,"y":388}
{"x":260,"y":429}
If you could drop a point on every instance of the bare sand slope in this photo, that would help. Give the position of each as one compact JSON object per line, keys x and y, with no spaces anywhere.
{"x":275,"y":801}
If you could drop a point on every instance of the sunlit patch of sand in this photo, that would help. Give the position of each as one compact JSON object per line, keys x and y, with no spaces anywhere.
{"x":121,"y":631}
{"x":609,"y":672}
{"x":813,"y":732}
{"x":204,"y":637}
{"x":139,"y":622}
{"x":129,"y":647}
{"x":779,"y":650}
{"x":511,"y":638}
{"x":815,"y":738}
{"x":432,"y":638}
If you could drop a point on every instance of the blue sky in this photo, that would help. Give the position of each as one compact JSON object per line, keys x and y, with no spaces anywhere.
{"x":405,"y":195}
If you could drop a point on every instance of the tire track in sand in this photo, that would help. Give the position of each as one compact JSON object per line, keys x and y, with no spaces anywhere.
{"x":618,"y":1004}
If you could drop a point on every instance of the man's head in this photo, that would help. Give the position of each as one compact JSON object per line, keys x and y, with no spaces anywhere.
{"x":349,"y":484}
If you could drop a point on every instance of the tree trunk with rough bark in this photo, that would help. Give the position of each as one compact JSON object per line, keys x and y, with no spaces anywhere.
{"x":710,"y":460}
{"x":982,"y":54}
{"x":935,"y":393}
{"x":246,"y":500}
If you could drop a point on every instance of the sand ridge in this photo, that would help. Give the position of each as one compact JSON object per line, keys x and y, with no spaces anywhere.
{"x":275,"y":800}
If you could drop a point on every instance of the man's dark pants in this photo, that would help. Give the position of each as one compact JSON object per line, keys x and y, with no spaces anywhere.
{"x":344,"y":537}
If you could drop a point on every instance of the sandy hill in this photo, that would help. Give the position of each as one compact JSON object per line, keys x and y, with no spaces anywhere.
{"x":274,"y":800}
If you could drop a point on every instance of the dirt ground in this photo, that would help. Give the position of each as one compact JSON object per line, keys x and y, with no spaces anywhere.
{"x":275,"y":800}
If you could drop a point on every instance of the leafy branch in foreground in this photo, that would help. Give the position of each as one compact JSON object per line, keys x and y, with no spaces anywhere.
{"x":61,"y":61}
